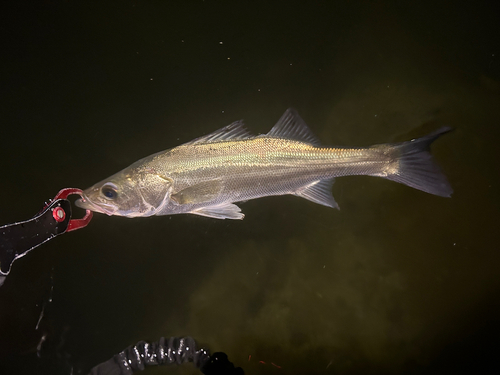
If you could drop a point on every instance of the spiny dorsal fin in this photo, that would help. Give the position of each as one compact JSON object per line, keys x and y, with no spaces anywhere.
{"x":291,"y":126}
{"x":234,"y":131}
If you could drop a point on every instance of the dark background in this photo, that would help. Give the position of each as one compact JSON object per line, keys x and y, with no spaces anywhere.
{"x":398,"y":281}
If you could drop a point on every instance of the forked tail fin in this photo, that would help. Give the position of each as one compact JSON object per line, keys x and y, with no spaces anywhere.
{"x":416,"y":167}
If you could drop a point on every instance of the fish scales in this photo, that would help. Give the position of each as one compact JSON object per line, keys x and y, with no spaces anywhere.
{"x":278,"y":166}
{"x":206,"y":176}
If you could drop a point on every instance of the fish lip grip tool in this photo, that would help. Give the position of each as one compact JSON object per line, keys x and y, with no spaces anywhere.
{"x":18,"y":239}
{"x":73,"y":224}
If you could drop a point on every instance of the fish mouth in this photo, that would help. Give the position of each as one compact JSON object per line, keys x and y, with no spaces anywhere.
{"x":85,"y":203}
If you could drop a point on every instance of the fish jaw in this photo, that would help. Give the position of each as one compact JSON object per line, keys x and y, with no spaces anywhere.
{"x":87,"y":204}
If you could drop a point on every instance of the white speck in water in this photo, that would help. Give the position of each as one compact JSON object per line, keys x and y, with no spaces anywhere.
{"x":39,"y":346}
{"x":151,"y":79}
{"x":229,"y":58}
{"x":182,"y":40}
{"x":290,"y":64}
{"x":324,"y":266}
{"x":222,"y":111}
{"x":257,"y":273}
{"x":454,"y":243}
{"x":375,"y":115}
{"x":258,"y":89}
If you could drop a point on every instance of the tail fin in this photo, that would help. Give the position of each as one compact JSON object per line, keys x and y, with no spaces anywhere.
{"x":417,"y":168}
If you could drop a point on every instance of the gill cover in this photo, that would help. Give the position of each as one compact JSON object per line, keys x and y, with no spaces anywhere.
{"x":132,"y":192}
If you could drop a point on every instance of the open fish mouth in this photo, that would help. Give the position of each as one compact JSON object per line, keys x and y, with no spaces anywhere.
{"x":87,"y":204}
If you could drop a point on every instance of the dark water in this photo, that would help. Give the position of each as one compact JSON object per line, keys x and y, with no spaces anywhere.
{"x":398,"y":281}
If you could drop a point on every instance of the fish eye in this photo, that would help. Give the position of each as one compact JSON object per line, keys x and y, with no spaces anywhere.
{"x":109,"y":191}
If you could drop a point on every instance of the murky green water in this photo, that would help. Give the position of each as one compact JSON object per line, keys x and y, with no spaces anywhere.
{"x":398,"y":281}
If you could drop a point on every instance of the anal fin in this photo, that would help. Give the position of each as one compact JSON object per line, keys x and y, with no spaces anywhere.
{"x":319,"y":192}
{"x":222,"y":211}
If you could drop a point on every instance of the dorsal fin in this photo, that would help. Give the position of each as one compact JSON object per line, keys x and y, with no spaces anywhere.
{"x":291,"y":126}
{"x":234,"y":131}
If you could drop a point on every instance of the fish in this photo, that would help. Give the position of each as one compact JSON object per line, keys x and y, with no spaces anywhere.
{"x":208,"y":175}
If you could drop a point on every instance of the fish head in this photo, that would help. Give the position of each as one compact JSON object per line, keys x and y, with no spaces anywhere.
{"x":133,"y":192}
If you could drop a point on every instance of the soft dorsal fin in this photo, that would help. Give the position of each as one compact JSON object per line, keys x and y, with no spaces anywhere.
{"x":291,"y":126}
{"x":234,"y":131}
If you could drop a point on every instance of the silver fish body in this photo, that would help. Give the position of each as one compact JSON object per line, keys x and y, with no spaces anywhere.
{"x":207,"y":175}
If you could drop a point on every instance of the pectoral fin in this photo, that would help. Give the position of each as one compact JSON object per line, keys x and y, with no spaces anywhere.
{"x":199,"y":193}
{"x":223,"y":211}
{"x":319,"y":192}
